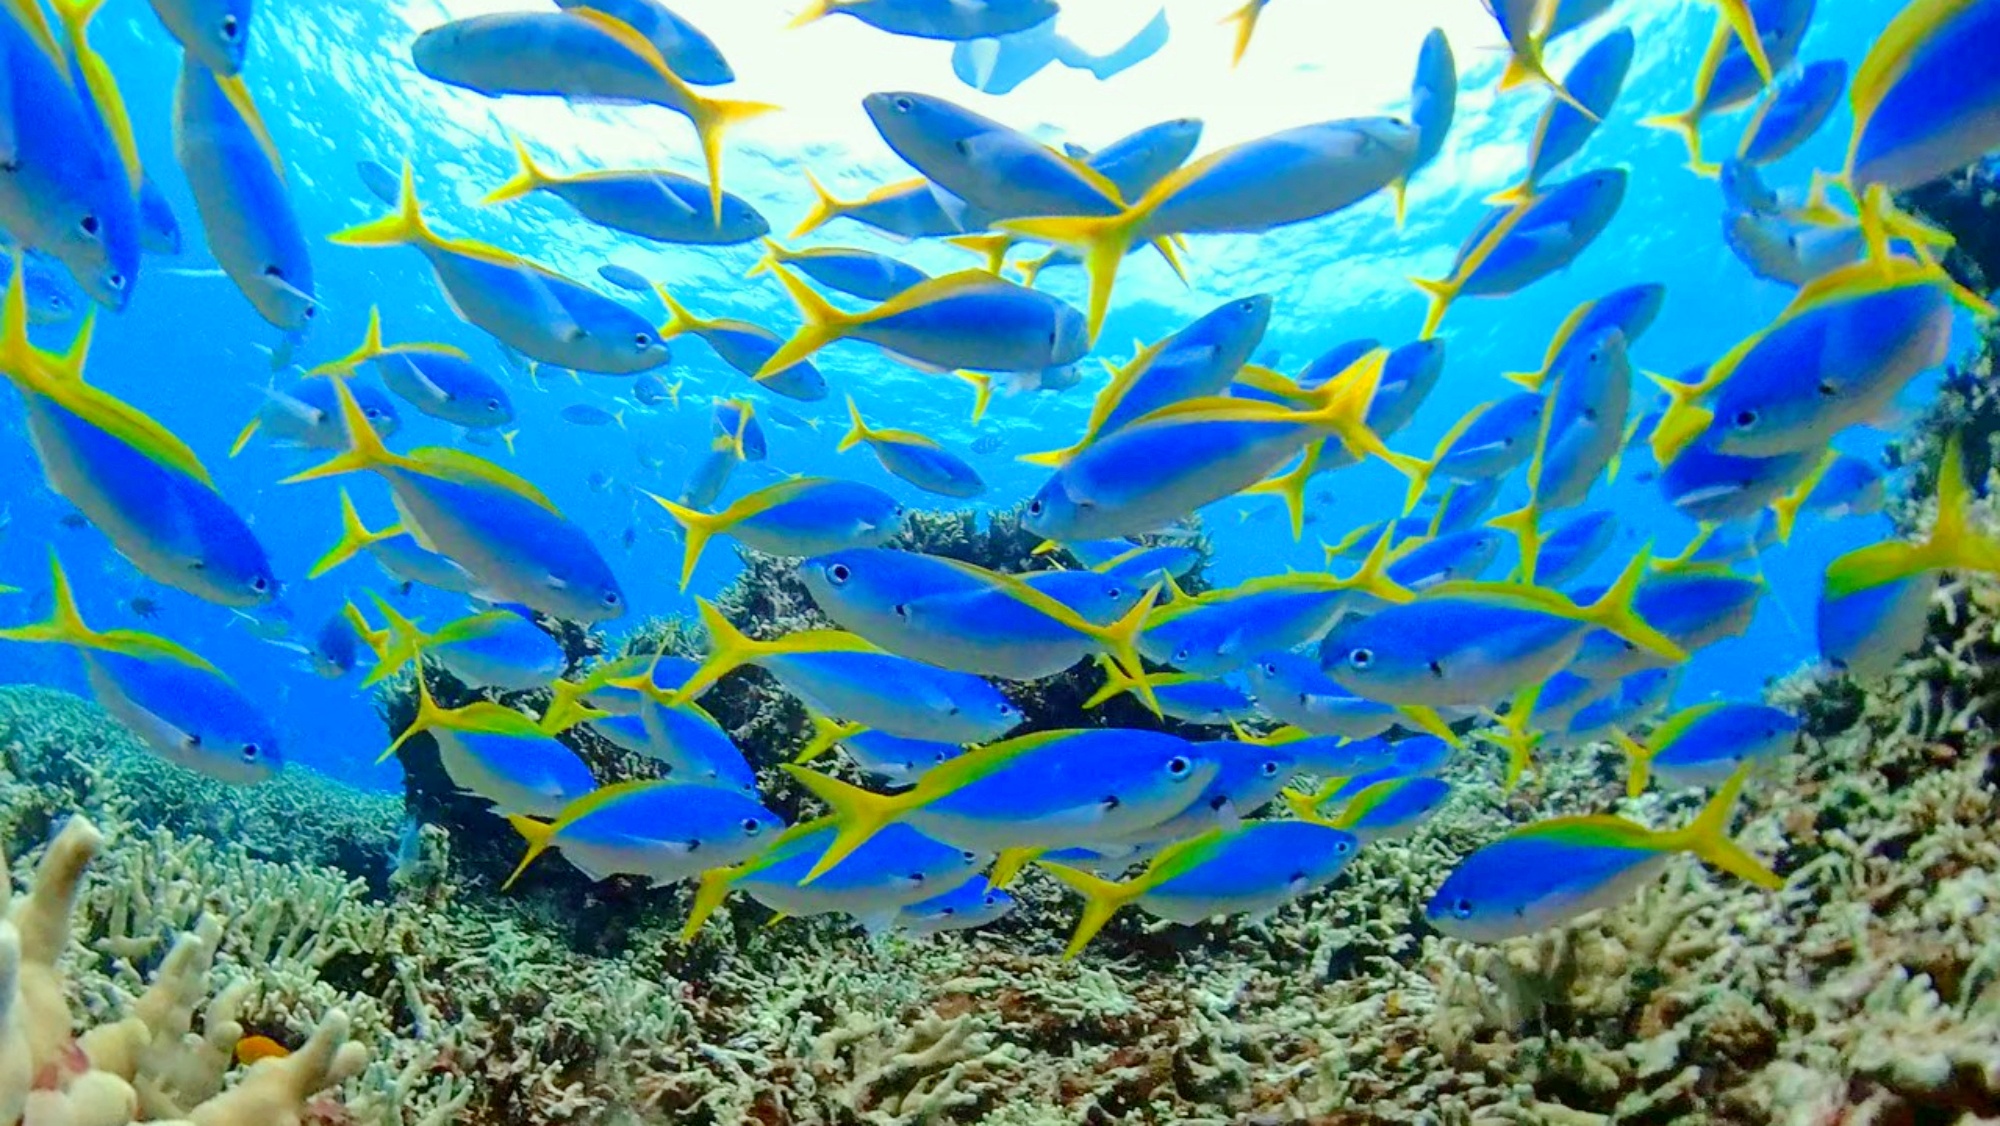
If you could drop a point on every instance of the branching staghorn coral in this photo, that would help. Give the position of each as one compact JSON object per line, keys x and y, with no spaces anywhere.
{"x":148,"y":1066}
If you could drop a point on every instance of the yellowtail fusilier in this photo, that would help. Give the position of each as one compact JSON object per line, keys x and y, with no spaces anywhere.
{"x":894,"y":869}
{"x":498,"y":527}
{"x":1052,"y":789}
{"x":527,"y":307}
{"x":177,"y":704}
{"x":582,"y":55}
{"x":1550,"y":872}
{"x":662,"y":832}
{"x":132,"y":478}
{"x":1304,"y":173}
{"x":797,"y":518}
{"x":1253,"y":870}
{"x":652,"y":203}
{"x":745,"y":347}
{"x":238,"y":181}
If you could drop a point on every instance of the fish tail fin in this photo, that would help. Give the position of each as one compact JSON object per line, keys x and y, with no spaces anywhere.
{"x":1399,"y":189}
{"x":401,"y":227}
{"x":1372,"y":577}
{"x":825,"y":209}
{"x":1121,"y":643}
{"x":1343,"y":410}
{"x":101,"y":85}
{"x":1515,"y":196}
{"x":1428,"y":720}
{"x":1786,"y":508}
{"x":826,"y":733}
{"x":1953,"y":543}
{"x":991,"y":248}
{"x":1116,"y":684}
{"x":1684,"y":420}
{"x":1290,"y":487}
{"x":774,"y":253}
{"x":1103,"y":241}
{"x":539,"y":835}
{"x":364,"y":446}
{"x":65,"y":625}
{"x":529,"y":177}
{"x":1613,"y":611}
{"x":377,"y":640}
{"x":857,"y":430}
{"x":428,"y":718}
{"x":982,"y":392}
{"x":1440,"y":292}
{"x":712,"y":118}
{"x":1707,"y":836}
{"x":1525,"y":525}
{"x":354,"y":538}
{"x":858,"y":814}
{"x":1526,"y":66}
{"x":1244,"y":20}
{"x":244,"y":435}
{"x":1009,"y":864}
{"x":729,"y":649}
{"x":1638,"y":762}
{"x":1743,"y":22}
{"x":823,"y":325}
{"x":813,"y":11}
{"x":1101,"y":900}
{"x":680,"y":322}
{"x":709,"y":892}
{"x":698,"y":527}
{"x":1304,"y":806}
{"x":1686,"y":125}
{"x":371,"y":347}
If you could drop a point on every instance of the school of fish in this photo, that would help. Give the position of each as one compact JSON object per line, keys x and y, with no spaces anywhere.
{"x":1347,"y":692}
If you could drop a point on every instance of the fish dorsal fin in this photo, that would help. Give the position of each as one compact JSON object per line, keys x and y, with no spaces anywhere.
{"x":234,"y":89}
{"x":449,"y":463}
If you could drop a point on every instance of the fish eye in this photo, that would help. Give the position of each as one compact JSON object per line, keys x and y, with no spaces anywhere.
{"x":839,"y":572}
{"x":231,"y":28}
{"x":1437,"y":669}
{"x":915,"y":877}
{"x":1361,"y":658}
{"x":969,"y":855}
{"x":611,"y":598}
{"x":993,"y":901}
{"x":642,"y":340}
{"x":752,"y":826}
{"x":115,"y":281}
{"x":310,"y":312}
{"x":260,"y":584}
{"x":1344,"y":847}
{"x":1035,"y":507}
{"x":1179,"y":766}
{"x":252,"y":752}
{"x":1270,"y":769}
{"x":903,"y":104}
{"x":1114,"y":594}
{"x":493,"y":404}
{"x":1745,"y":419}
{"x":89,"y":224}
{"x":1183,"y":654}
{"x":1270,"y":668}
{"x":1461,"y":908}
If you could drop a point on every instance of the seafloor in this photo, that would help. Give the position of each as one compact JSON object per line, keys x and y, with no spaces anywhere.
{"x":1868,"y":991}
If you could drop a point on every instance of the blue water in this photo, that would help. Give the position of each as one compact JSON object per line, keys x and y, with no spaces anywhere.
{"x":336,"y":86}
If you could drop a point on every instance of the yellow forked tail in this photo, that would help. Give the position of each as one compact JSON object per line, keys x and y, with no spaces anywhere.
{"x":1101,"y":900}
{"x":528,"y":178}
{"x":711,"y":117}
{"x":825,"y":209}
{"x":1953,"y":543}
{"x":354,"y":538}
{"x":857,"y":814}
{"x":1707,"y":836}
